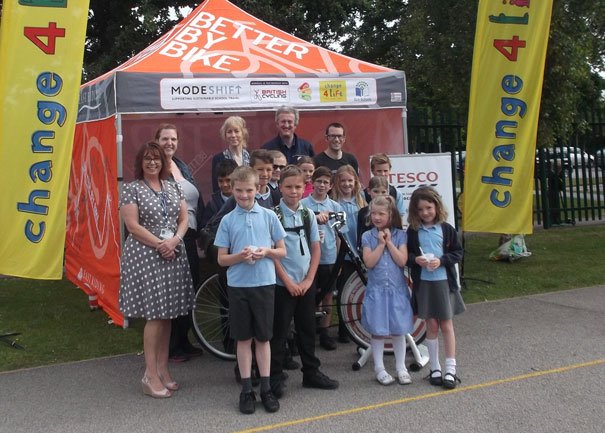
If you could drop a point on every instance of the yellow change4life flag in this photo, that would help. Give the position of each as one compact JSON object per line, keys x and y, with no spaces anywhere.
{"x":41,"y":51}
{"x":506,"y":86}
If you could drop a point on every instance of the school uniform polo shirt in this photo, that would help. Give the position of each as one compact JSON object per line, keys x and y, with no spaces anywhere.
{"x":328,"y":246}
{"x":239,"y":229}
{"x":432,"y":238}
{"x":296,"y":263}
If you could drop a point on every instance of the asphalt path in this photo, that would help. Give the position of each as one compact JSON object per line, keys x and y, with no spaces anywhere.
{"x":531,"y":364}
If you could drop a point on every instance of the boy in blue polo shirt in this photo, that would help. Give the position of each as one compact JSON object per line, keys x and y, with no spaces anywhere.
{"x":249,"y":238}
{"x":295,"y":291}
{"x":322,"y":205}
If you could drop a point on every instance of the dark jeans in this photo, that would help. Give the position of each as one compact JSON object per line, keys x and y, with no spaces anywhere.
{"x":302,"y":309}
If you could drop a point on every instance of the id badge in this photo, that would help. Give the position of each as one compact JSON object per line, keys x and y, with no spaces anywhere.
{"x":166,"y":233}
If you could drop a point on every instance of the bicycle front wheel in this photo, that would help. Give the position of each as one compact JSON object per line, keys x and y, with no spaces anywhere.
{"x":210,"y":318}
{"x":349,"y":309}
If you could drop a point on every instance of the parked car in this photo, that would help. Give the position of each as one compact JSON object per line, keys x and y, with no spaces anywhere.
{"x":551,"y":156}
{"x":460,"y":158}
{"x":600,"y":158}
{"x":577,"y":157}
{"x":569,"y":156}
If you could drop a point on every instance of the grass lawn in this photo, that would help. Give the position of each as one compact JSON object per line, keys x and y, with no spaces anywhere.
{"x":57,"y":326}
{"x":562,"y":258}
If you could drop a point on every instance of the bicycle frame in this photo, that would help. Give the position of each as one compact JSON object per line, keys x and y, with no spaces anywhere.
{"x":344,"y":250}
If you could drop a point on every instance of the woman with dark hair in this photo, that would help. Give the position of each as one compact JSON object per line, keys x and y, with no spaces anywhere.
{"x":155,"y":282}
{"x":167,"y":137}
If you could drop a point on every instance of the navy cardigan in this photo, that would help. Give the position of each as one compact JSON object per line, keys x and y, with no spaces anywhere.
{"x":452,"y":254}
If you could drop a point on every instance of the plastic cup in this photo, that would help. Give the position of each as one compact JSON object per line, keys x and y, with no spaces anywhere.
{"x":429,"y":257}
{"x":252,"y":248}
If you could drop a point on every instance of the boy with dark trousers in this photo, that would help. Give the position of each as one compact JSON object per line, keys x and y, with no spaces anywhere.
{"x":295,"y":291}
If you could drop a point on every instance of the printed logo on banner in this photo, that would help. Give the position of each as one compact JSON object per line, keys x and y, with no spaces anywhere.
{"x":396,"y":97}
{"x":362,"y":92}
{"x":270,"y":92}
{"x":304,"y":92}
{"x":333,"y":91}
{"x":414,"y":179}
{"x":89,"y":193}
{"x":90,"y":281}
{"x":187,"y":92}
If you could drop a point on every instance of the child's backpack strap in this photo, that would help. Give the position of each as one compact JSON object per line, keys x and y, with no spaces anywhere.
{"x":306,"y":227}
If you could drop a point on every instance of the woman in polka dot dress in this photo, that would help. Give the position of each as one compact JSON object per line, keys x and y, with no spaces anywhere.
{"x":155,"y":282}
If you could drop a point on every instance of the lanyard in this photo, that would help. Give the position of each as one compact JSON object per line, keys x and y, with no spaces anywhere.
{"x":162,"y":196}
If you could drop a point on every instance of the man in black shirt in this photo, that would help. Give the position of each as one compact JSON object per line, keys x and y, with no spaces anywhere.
{"x":333,"y":157}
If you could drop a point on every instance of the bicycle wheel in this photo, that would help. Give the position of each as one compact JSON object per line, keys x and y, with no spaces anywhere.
{"x":210,"y":318}
{"x":349,"y":311}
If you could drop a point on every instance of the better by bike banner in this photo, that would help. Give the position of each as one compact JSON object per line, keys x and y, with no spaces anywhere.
{"x":41,"y":52}
{"x":506,"y":87}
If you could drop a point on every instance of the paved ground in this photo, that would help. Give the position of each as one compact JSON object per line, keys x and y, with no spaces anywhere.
{"x":533,"y":364}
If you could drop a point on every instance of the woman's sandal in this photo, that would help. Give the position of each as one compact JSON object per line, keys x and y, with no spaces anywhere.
{"x":147,"y":390}
{"x":172,"y":386}
{"x":449,"y":380}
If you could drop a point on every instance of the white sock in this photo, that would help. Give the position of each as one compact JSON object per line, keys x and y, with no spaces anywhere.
{"x":450,"y":365}
{"x":399,"y":350}
{"x":433,"y":347}
{"x":377,"y":345}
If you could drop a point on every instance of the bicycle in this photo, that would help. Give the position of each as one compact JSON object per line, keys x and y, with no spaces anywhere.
{"x":210,"y":316}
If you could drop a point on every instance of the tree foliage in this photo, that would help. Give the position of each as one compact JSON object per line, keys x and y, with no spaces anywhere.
{"x":574,"y":58}
{"x":118,"y":29}
{"x":432,"y":40}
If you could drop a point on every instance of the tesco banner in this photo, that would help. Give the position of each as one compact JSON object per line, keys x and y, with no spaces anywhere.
{"x":408,"y":172}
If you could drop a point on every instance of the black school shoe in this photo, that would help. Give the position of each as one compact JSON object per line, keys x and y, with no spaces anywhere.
{"x":435,"y":380}
{"x":247,"y":401}
{"x":269,"y":401}
{"x":449,"y":380}
{"x":318,"y":380}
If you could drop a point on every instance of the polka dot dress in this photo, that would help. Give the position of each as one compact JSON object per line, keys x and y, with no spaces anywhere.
{"x":151,"y":287}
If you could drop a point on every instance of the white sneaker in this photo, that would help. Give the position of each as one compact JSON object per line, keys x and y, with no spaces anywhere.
{"x":403,"y":377}
{"x":384,"y":378}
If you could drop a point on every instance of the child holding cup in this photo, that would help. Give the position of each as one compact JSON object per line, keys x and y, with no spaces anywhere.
{"x":433,"y":252}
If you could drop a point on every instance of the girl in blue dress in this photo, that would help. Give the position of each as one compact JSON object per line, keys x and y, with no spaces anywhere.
{"x":386,"y":311}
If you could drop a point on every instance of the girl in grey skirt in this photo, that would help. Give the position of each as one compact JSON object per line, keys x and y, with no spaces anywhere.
{"x":433,"y":252}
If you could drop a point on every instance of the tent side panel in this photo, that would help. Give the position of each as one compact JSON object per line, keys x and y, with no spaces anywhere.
{"x":92,"y":245}
{"x":97,"y":100}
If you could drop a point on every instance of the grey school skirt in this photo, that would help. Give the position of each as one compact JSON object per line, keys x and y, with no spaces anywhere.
{"x":437,"y":301}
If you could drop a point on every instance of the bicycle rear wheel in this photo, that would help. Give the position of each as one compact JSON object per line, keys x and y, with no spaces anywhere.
{"x":210,"y":318}
{"x":349,"y":311}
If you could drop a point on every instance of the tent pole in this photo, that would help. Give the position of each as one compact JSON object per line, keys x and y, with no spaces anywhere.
{"x":120,"y":172}
{"x":404,"y":117}
{"x":119,"y":141}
